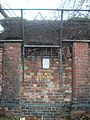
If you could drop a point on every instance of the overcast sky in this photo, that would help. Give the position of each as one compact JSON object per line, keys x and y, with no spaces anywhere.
{"x":42,"y":3}
{"x":31,"y":3}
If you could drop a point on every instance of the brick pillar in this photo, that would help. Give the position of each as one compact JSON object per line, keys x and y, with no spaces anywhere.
{"x":1,"y":58}
{"x":11,"y":70}
{"x":80,"y":71}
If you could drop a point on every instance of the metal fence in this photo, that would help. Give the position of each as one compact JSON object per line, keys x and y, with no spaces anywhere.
{"x":67,"y":24}
{"x":55,"y":26}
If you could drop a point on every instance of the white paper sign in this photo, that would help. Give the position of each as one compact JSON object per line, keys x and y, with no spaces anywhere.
{"x":45,"y":63}
{"x":22,"y":118}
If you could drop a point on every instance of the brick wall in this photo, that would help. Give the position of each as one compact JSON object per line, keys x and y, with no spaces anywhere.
{"x":11,"y":72}
{"x":40,"y":83}
{"x":41,"y":94}
{"x":67,"y":73}
{"x":1,"y":58}
{"x":81,"y":75}
{"x":10,"y":76}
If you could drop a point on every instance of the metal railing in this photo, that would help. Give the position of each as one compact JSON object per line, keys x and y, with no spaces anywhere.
{"x":69,"y":25}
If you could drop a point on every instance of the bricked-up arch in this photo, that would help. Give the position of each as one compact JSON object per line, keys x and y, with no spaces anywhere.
{"x":42,"y":84}
{"x":40,"y":89}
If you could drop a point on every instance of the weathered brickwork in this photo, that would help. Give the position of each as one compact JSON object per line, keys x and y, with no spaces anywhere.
{"x":11,"y":73}
{"x":39,"y":93}
{"x":41,"y":84}
{"x":67,"y":74}
{"x":1,"y":59}
{"x":81,"y":75}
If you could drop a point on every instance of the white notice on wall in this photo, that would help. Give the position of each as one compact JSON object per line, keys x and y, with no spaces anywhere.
{"x":22,"y":118}
{"x":45,"y":63}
